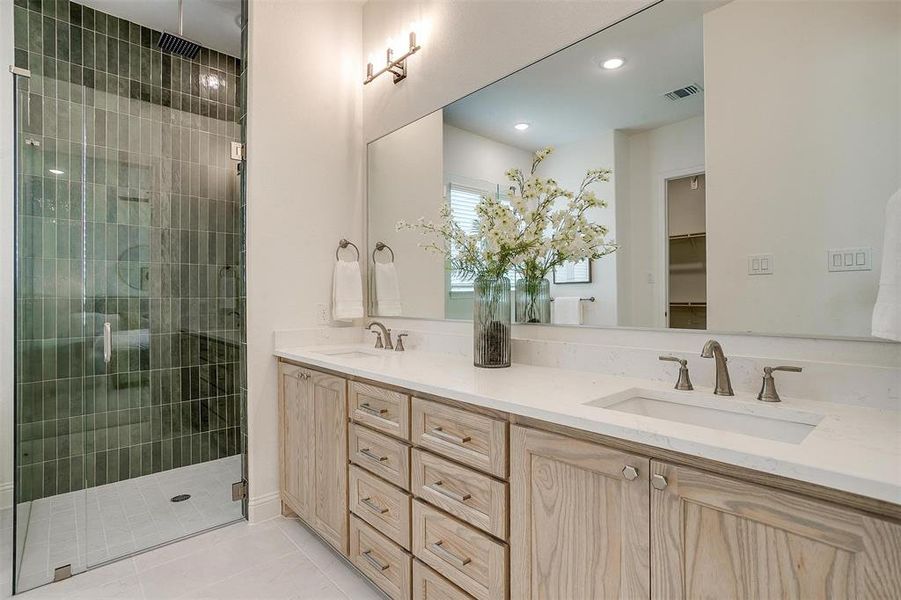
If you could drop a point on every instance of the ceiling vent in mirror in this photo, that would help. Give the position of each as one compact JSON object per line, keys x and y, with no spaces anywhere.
{"x":684,"y":92}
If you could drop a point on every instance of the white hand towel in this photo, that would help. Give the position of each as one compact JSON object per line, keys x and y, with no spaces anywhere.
{"x":567,"y":311}
{"x":347,"y":291}
{"x":387,"y":290}
{"x":887,"y":311}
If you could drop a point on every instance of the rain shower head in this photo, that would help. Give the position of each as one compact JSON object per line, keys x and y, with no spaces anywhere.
{"x":176,"y":44}
{"x":179,"y":44}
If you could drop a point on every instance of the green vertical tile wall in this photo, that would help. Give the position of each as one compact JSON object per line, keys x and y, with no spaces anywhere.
{"x":129,"y":211}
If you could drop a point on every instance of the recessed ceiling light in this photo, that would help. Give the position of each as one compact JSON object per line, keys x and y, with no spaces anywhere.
{"x":613,"y":63}
{"x":56,"y":172}
{"x":521,"y":126}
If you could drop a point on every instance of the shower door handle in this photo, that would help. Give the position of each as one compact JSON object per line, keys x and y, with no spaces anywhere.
{"x":107,"y":343}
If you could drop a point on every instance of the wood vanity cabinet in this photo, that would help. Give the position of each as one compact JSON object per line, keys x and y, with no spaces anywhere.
{"x":313,"y":447}
{"x":717,"y":537}
{"x":447,"y":502}
{"x":579,"y":519}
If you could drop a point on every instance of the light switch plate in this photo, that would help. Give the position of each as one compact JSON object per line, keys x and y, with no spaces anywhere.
{"x":761,"y":264}
{"x":849,"y":259}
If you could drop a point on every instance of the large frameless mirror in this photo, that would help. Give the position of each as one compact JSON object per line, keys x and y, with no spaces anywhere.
{"x":752,"y":148}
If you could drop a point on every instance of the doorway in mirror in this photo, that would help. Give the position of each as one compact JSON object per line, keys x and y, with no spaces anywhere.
{"x":686,"y":243}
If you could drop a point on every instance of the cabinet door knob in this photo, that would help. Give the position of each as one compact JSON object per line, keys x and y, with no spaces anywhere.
{"x":630,"y":472}
{"x":659,"y":482}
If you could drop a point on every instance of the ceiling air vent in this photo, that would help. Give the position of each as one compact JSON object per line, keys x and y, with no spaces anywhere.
{"x":684,"y":92}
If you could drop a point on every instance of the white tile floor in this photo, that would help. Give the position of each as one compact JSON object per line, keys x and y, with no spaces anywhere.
{"x":90,"y":527}
{"x":274,"y":560}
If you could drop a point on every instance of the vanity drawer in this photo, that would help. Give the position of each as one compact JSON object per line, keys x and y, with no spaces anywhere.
{"x":380,"y":559}
{"x":381,"y":505}
{"x":380,"y":454}
{"x":429,"y":585}
{"x":465,"y":556}
{"x":469,"y":438}
{"x":471,"y":496}
{"x":380,"y":409}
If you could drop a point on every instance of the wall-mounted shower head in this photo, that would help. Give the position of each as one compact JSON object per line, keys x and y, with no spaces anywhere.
{"x":179,"y":44}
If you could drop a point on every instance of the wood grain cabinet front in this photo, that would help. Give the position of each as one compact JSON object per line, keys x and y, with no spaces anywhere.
{"x":313,"y":448}
{"x":380,"y":504}
{"x":429,"y":585}
{"x":385,"y":456}
{"x":381,"y":560}
{"x":381,"y":409}
{"x":579,"y":521}
{"x":717,"y":537}
{"x":472,"y":439}
{"x":474,"y":497}
{"x":464,"y":555}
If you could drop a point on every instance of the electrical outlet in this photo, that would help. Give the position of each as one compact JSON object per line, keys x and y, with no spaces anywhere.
{"x":322,"y":316}
{"x":761,"y":264}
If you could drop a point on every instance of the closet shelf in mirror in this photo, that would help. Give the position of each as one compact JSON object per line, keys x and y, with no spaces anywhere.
{"x":687,"y":267}
{"x":688,"y":304}
{"x":687,"y":236}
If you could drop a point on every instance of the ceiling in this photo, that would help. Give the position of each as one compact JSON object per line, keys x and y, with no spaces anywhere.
{"x":211,"y":23}
{"x":567,"y":94}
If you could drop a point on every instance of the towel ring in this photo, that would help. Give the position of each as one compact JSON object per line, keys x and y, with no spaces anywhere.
{"x":344,"y":244}
{"x":379,"y":246}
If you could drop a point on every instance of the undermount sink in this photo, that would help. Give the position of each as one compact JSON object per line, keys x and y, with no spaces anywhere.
{"x":348,"y":353}
{"x":772,"y":422}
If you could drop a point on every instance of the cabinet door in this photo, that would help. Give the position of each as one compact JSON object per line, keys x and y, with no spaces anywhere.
{"x":296,"y":463}
{"x":579,"y":524}
{"x":716,"y":537}
{"x":330,"y":458}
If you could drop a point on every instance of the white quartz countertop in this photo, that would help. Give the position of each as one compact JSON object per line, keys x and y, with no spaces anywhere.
{"x":852,"y":449}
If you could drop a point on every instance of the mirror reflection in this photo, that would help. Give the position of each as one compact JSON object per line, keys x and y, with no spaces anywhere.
{"x":749,"y":173}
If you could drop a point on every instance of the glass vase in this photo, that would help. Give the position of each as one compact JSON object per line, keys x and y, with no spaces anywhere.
{"x":533,"y":301}
{"x":491,"y":323}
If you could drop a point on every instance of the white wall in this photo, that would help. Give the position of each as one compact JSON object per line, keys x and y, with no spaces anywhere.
{"x":466,"y":45}
{"x":809,"y":165}
{"x":653,"y":156}
{"x":568,"y":165}
{"x":404,"y":183}
{"x":6,"y":256}
{"x":304,"y":190}
{"x":472,"y":157}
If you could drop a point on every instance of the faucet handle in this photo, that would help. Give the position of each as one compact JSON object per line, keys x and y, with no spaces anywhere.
{"x":399,"y":344}
{"x":378,"y":339}
{"x":684,"y":381}
{"x":768,"y":387}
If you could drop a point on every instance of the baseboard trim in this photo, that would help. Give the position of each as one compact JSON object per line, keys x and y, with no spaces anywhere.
{"x":6,"y":495}
{"x":264,"y":507}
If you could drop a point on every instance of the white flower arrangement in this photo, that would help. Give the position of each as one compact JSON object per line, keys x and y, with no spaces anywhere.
{"x":524,"y":231}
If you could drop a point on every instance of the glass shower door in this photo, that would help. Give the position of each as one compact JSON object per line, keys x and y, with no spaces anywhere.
{"x":55,"y":337}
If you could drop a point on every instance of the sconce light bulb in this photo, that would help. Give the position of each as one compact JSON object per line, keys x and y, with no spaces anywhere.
{"x":389,"y":55}
{"x":369,"y":70}
{"x":412,"y":40}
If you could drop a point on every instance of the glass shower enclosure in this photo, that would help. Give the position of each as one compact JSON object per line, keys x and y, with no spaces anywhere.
{"x":128,"y":292}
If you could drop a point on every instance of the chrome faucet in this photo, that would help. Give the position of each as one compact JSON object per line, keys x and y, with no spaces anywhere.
{"x":712,"y":349}
{"x":386,"y":334}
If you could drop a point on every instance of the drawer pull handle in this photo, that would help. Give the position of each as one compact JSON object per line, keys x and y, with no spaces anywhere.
{"x":372,"y":455}
{"x":438,"y":486}
{"x":367,"y":554}
{"x":375,"y":412}
{"x":439,"y":549}
{"x":373,"y":506}
{"x":439,"y":433}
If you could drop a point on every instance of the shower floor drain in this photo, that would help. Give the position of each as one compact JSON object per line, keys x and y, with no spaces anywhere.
{"x":180,"y":498}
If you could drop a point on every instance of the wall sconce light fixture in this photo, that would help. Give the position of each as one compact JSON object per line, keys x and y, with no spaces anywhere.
{"x":395,"y":66}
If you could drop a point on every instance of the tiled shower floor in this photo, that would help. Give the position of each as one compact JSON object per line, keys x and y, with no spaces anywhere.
{"x":90,"y":527}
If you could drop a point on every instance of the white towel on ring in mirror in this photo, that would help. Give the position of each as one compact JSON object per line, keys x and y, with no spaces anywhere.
{"x":387,"y":290}
{"x":887,"y":311}
{"x":567,"y":311}
{"x":347,"y":291}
